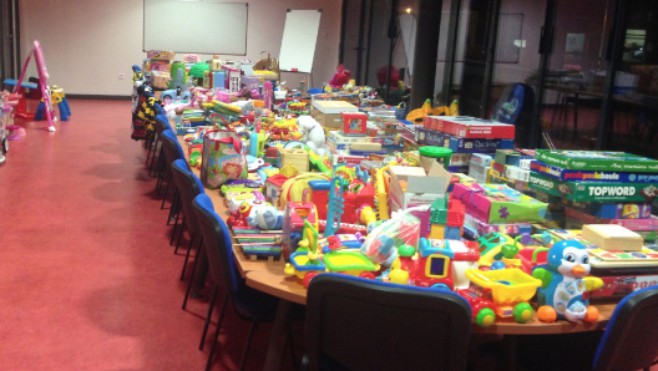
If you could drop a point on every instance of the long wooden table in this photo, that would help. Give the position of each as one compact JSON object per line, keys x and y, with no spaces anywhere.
{"x":268,"y":276}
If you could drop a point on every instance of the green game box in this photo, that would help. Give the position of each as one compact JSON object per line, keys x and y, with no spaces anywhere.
{"x":597,"y":160}
{"x":594,"y":191}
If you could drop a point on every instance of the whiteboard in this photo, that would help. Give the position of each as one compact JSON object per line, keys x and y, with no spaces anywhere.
{"x":299,"y":37}
{"x":205,"y":26}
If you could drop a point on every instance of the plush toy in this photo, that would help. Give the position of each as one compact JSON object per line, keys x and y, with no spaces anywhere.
{"x":312,"y":134}
{"x":341,"y":77}
{"x":265,"y":216}
{"x":565,"y":285}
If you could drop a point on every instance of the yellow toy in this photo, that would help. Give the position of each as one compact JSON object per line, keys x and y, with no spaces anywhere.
{"x":381,"y":193}
{"x":417,"y":115}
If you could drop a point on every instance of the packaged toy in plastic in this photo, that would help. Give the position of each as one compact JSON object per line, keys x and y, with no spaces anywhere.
{"x":382,"y":242}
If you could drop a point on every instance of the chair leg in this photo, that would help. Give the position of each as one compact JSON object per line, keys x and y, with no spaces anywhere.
{"x":188,"y":290}
{"x":175,"y":229}
{"x":180,"y":235}
{"x":216,"y":339}
{"x":187,"y":255}
{"x":246,"y":348}
{"x":174,"y":206}
{"x":221,"y":315}
{"x":167,"y":181}
{"x":155,"y":164}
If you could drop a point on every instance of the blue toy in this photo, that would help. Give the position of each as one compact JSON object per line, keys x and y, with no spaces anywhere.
{"x":564,"y":283}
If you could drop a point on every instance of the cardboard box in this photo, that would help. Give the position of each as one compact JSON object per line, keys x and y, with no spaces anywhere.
{"x":423,"y":184}
{"x":160,"y":79}
{"x":594,"y":191}
{"x":471,"y":127}
{"x":612,"y":237}
{"x":563,"y":174}
{"x":461,"y":145}
{"x":162,"y":55}
{"x":597,"y":160}
{"x":327,"y":112}
{"x":495,"y":203}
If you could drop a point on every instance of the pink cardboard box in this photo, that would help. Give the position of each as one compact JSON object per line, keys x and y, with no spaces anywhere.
{"x":498,"y":203}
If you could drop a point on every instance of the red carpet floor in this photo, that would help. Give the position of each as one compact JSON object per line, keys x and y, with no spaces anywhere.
{"x":88,"y":280}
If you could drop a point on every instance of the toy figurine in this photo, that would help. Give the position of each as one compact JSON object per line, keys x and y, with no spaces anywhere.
{"x":564,"y":284}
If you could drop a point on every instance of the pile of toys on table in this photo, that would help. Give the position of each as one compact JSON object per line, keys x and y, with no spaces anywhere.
{"x":332,"y":188}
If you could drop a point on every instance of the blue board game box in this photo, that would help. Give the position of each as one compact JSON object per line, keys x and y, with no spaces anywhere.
{"x":461,"y":145}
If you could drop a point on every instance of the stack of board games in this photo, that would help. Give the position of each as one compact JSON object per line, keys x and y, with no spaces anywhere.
{"x":599,"y":186}
{"x":465,"y":135}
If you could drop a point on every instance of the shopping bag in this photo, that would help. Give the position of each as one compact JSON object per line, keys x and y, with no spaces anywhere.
{"x":222,"y":158}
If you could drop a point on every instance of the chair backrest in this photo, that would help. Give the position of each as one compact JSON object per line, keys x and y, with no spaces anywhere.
{"x":189,"y":186}
{"x":516,"y":106}
{"x":172,"y":149}
{"x":359,"y":324}
{"x":630,"y":340}
{"x":218,"y":245}
{"x":161,"y":123}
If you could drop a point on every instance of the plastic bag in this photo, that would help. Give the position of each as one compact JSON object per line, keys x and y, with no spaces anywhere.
{"x":382,"y":242}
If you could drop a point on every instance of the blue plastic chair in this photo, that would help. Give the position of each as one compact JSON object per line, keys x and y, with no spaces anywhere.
{"x":188,"y":186}
{"x":172,"y":151}
{"x":630,"y":340}
{"x":153,"y":142}
{"x":251,"y":305}
{"x":354,"y":323}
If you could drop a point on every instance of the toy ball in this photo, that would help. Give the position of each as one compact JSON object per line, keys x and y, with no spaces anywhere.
{"x":497,"y":265}
{"x":630,"y":211}
{"x":546,"y":313}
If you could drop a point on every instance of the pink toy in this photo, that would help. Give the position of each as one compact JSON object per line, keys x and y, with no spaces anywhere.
{"x":43,"y":80}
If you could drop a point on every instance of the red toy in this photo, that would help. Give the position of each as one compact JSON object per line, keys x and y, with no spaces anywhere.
{"x":354,"y":123}
{"x":341,"y":77}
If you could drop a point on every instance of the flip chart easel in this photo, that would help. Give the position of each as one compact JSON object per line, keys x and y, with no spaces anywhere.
{"x":300,"y":36}
{"x":43,"y":80}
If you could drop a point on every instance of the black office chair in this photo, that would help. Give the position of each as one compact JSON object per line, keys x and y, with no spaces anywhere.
{"x":359,"y":324}
{"x":250,"y":305}
{"x":630,"y":340}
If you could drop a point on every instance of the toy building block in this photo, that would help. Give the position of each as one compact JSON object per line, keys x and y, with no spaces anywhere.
{"x":437,"y":231}
{"x":452,"y":233}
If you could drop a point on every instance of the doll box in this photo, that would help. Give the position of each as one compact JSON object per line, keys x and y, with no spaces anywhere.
{"x":497,"y":203}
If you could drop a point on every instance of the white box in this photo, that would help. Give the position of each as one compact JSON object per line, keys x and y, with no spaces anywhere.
{"x":424,"y":184}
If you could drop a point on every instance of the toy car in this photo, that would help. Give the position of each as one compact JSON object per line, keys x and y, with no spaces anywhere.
{"x":171,"y":95}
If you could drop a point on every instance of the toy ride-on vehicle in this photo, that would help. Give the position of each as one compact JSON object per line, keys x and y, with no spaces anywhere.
{"x":509,"y":289}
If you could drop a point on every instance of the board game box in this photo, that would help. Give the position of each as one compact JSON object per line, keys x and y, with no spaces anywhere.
{"x":594,"y":191}
{"x":470,"y":127}
{"x":597,"y":160}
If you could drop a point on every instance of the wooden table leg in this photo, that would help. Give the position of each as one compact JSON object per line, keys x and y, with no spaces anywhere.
{"x":279,"y":336}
